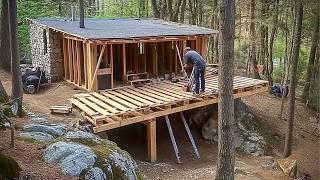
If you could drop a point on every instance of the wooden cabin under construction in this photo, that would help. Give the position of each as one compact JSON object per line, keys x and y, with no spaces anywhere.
{"x":101,"y":55}
{"x":104,"y":56}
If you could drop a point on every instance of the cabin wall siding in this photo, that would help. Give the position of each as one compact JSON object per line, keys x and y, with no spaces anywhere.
{"x":50,"y":60}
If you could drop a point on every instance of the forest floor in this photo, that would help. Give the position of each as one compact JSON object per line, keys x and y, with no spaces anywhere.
{"x":133,"y":139}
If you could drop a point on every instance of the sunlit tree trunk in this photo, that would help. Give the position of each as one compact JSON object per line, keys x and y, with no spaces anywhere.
{"x":293,"y":79}
{"x":17,"y":93}
{"x":226,"y":150}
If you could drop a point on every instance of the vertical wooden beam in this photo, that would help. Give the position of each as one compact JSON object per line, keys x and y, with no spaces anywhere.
{"x":124,"y":61}
{"x":205,"y":46}
{"x":93,"y":67}
{"x":85,"y":60}
{"x":144,"y":57}
{"x":65,"y":59}
{"x":111,"y":64}
{"x":89,"y":62}
{"x":175,"y":58}
{"x":70,"y":60}
{"x":79,"y":62}
{"x":154,"y":58}
{"x":74,"y":58}
{"x":152,"y":140}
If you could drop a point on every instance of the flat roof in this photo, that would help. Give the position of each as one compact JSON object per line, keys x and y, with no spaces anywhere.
{"x":123,"y":28}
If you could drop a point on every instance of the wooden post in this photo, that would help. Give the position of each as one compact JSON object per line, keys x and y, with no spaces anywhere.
{"x":111,"y":64}
{"x":85,"y":60}
{"x":124,"y":61}
{"x":65,"y":59}
{"x":152,"y":140}
{"x":70,"y":60}
{"x":93,"y":66}
{"x":154,"y":59}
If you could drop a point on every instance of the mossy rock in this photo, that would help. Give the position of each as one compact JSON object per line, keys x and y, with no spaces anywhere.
{"x":9,"y":168}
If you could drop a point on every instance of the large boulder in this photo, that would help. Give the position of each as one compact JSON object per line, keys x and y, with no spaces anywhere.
{"x":80,"y":153}
{"x":37,"y":136}
{"x":247,"y":138}
{"x":52,"y":129}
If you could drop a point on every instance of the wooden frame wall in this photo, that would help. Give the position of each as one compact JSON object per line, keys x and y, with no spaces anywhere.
{"x":82,"y":58}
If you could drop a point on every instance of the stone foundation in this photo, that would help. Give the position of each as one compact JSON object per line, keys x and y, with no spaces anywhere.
{"x":47,"y":56}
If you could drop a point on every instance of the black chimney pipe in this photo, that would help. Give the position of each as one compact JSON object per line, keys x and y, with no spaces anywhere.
{"x":81,"y":12}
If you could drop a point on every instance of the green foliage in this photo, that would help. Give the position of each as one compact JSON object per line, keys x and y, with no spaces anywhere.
{"x":116,"y":9}
{"x":9,"y":168}
{"x":31,"y":9}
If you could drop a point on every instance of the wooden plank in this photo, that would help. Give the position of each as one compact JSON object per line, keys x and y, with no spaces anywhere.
{"x":143,"y":96}
{"x":158,"y":93}
{"x":127,"y":98}
{"x":145,"y":102}
{"x":119,"y":100}
{"x":152,"y":140}
{"x":102,"y":104}
{"x":94,"y":106}
{"x":174,"y":95}
{"x":83,"y":107}
{"x":155,"y":96}
{"x":97,"y":67}
{"x":109,"y":101}
{"x":154,"y":59}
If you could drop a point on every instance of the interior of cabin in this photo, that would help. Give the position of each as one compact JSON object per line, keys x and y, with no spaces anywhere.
{"x":102,"y":65}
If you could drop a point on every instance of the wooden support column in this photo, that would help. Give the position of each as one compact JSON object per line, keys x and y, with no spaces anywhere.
{"x":65,"y":59}
{"x":144,"y":58}
{"x":152,"y":140}
{"x":154,"y":59}
{"x":124,"y":61}
{"x":70,"y":60}
{"x":85,"y":60}
{"x":111,"y":64}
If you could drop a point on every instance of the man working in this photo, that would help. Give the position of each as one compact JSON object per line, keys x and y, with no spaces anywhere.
{"x":191,"y":57}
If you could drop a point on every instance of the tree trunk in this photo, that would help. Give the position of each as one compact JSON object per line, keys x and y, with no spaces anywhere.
{"x":163,"y":6}
{"x":156,"y":12}
{"x":183,"y":11}
{"x":293,"y":79}
{"x":176,"y":10}
{"x":5,"y":62}
{"x":192,"y":13}
{"x":81,"y":13}
{"x":272,"y":37}
{"x":253,"y":58}
{"x":3,"y":94}
{"x":226,"y":150}
{"x":169,"y":6}
{"x":315,"y":39}
{"x":17,"y":94}
{"x":60,"y":8}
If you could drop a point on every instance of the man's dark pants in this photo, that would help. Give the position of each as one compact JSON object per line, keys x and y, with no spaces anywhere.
{"x":199,"y":77}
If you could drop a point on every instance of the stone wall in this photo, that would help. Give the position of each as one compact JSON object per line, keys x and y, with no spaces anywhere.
{"x":50,"y":60}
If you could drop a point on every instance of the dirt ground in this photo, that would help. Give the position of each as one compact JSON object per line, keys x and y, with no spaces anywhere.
{"x":133,"y":139}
